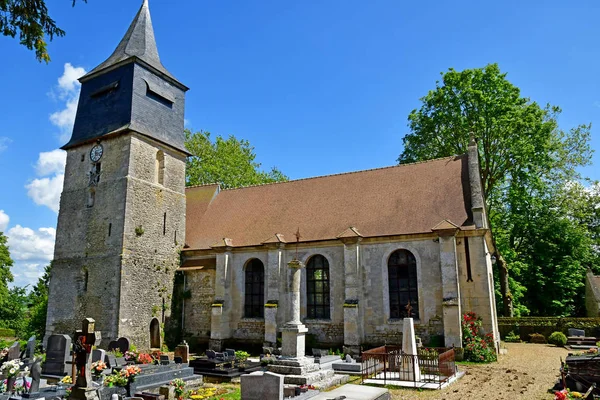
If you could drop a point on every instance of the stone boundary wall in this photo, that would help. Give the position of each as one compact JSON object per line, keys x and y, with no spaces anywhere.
{"x":524,"y":326}
{"x":250,"y":329}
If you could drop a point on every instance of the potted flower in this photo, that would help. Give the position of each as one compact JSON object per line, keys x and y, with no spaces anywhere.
{"x":130,"y":372}
{"x":97,"y":368}
{"x":11,"y":370}
{"x":241,"y":356}
{"x":144,"y":358}
{"x":179,"y":385}
{"x":131,"y":357}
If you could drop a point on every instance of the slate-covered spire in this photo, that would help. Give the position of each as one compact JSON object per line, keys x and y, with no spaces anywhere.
{"x":138,"y":42}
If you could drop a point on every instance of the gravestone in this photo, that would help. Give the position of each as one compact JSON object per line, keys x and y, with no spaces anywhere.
{"x":155,"y":339}
{"x":576,"y":332}
{"x":57,"y":353}
{"x":178,"y":360}
{"x":30,"y":349}
{"x":164,"y":359}
{"x":183,"y":351}
{"x":110,"y":360}
{"x":113,"y":345}
{"x":123,"y":344}
{"x":167,"y":391}
{"x":98,"y":355}
{"x":262,"y":385}
{"x":14,"y":351}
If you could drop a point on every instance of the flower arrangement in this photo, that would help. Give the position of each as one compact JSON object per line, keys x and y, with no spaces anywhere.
{"x":566,"y":394}
{"x":179,"y":385}
{"x":241,"y":356}
{"x":20,"y":388}
{"x":206,"y":393}
{"x":98,"y":367}
{"x":144,"y":358}
{"x":67,"y":380}
{"x":428,"y":354}
{"x":130,"y":372}
{"x":12,"y":368}
{"x":477,"y":348}
{"x":131,"y":356}
{"x":115,"y":380}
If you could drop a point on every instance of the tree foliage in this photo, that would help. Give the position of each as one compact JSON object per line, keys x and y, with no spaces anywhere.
{"x":31,"y":22}
{"x":544,"y":234}
{"x":229,"y":162}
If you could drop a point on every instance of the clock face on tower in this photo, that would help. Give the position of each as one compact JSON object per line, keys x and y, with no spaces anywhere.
{"x":96,"y":153}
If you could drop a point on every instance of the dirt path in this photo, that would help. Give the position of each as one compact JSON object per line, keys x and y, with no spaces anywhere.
{"x":526,"y":372}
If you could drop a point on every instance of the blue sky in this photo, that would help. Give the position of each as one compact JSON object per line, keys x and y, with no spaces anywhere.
{"x":317,"y":87}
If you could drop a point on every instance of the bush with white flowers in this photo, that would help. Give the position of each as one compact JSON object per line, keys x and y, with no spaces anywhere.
{"x":12,"y":368}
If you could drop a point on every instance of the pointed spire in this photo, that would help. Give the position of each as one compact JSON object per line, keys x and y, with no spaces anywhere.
{"x":138,"y":42}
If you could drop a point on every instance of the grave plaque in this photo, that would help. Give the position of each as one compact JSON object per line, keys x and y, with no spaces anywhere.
{"x":30,"y":350}
{"x":57,"y":353}
{"x":110,"y":360}
{"x":164,"y":359}
{"x":576,"y":332}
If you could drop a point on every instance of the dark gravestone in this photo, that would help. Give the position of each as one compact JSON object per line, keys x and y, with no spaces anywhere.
{"x":155,"y":334}
{"x":576,"y":332}
{"x":98,"y":355}
{"x":123,"y":344}
{"x":178,"y":360}
{"x":14,"y":351}
{"x":164,"y":359}
{"x":30,"y":350}
{"x":57,"y":353}
{"x":113,"y":345}
{"x":110,"y":360}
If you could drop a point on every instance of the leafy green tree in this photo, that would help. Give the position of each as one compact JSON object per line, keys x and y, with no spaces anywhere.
{"x":525,"y":159}
{"x":6,"y":275}
{"x":31,"y":21}
{"x":229,"y":162}
{"x":38,"y":305}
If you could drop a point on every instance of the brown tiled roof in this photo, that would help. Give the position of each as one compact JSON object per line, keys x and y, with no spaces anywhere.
{"x":404,"y":199}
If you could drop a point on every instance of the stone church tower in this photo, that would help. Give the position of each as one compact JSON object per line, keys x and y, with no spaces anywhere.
{"x":122,"y":211}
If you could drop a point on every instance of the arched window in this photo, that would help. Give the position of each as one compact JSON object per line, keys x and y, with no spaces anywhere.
{"x":402,"y":278}
{"x":160,"y":168}
{"x":317,"y":287}
{"x":255,"y":289}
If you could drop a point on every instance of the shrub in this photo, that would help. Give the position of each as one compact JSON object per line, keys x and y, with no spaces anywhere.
{"x":537,"y":338}
{"x":7,"y":333}
{"x":558,"y":339}
{"x":476,"y":347}
{"x":512,"y":338}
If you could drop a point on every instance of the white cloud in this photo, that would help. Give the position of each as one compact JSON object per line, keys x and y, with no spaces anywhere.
{"x":51,"y":162}
{"x":31,"y":250}
{"x":4,"y":219}
{"x":68,"y":91}
{"x":4,"y":141}
{"x":46,"y":189}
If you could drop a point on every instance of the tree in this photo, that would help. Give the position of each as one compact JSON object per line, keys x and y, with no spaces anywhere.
{"x":31,"y":21}
{"x":229,"y":162}
{"x":6,"y":262}
{"x":525,"y":159}
{"x":38,"y":305}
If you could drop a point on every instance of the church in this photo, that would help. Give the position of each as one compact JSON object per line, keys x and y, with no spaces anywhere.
{"x":138,"y":251}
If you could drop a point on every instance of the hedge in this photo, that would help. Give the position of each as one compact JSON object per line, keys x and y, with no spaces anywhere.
{"x":524,"y":326}
{"x":8,"y":333}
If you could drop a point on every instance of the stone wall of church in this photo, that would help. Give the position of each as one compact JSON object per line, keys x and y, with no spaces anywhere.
{"x":153,"y":234}
{"x":200,"y":285}
{"x":86,"y":276}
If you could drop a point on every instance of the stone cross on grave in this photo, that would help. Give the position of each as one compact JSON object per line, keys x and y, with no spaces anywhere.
{"x":82,"y":348}
{"x":408,"y":310}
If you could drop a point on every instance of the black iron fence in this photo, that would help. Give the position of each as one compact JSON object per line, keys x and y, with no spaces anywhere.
{"x":389,"y":364}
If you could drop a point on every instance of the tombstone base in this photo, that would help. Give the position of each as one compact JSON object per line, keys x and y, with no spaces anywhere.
{"x":79,"y":393}
{"x":293,"y":342}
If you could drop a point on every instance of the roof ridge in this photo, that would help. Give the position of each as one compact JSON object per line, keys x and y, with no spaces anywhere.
{"x":202,"y":185}
{"x":345,"y":173}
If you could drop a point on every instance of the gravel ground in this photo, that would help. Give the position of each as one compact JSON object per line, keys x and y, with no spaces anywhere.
{"x":526,"y":372}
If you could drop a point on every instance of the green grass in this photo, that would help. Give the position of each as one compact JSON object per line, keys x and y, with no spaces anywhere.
{"x":235,"y":395}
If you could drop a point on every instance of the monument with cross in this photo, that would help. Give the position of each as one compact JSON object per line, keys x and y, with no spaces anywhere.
{"x":84,"y":340}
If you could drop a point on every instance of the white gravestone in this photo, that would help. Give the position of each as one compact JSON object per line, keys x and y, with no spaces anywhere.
{"x":409,"y":346}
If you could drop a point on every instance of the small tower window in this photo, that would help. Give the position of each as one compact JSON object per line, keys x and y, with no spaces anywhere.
{"x":109,"y":229}
{"x":164,"y":224}
{"x":160,"y":168}
{"x":91,"y":197}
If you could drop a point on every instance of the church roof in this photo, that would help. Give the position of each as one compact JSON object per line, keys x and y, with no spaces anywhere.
{"x":404,"y":199}
{"x":138,"y":43}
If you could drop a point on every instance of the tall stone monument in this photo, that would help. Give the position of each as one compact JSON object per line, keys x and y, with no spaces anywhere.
{"x":410,"y":366}
{"x":293,"y":333}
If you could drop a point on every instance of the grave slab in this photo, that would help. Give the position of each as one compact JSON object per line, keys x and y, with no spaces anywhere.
{"x":262,"y":385}
{"x":355,"y":392}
